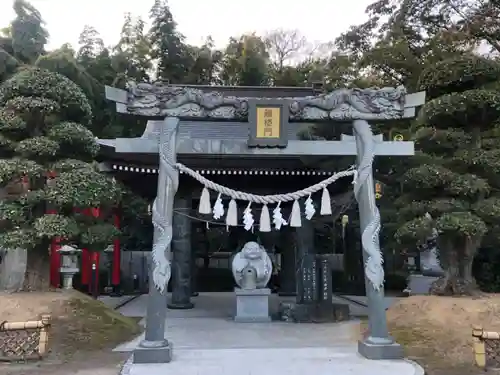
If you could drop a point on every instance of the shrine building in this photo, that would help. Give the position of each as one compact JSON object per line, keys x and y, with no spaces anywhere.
{"x":208,"y":244}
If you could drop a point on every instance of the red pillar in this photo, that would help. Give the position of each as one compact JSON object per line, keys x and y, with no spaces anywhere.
{"x":85,"y":267}
{"x":55,"y":256}
{"x":115,"y":275}
{"x":94,"y":258}
{"x":55,"y":261}
{"x":86,"y":264}
{"x":94,"y":285}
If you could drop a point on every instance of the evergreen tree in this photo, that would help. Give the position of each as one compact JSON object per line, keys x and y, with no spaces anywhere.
{"x":28,"y":33}
{"x":132,"y":57}
{"x":206,"y":66}
{"x":457,"y":182}
{"x":246,"y":62}
{"x":168,"y":49}
{"x":91,"y":45}
{"x":47,"y":159}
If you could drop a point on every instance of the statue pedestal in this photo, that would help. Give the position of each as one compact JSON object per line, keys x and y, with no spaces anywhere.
{"x":321,"y":312}
{"x":252,"y":305}
{"x":420,"y":284}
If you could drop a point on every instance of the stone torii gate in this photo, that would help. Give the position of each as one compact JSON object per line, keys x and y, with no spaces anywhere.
{"x":267,"y":119}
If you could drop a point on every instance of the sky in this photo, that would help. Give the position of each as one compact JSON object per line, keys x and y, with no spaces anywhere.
{"x":318,"y":20}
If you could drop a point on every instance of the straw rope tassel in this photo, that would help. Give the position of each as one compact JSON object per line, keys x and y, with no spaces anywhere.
{"x":205,"y":207}
{"x":265,"y":219}
{"x":295,"y":218}
{"x":232,"y":214}
{"x":326,"y":202}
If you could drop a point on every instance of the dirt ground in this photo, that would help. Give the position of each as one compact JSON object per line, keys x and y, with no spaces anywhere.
{"x":437,"y":331}
{"x":83,"y":331}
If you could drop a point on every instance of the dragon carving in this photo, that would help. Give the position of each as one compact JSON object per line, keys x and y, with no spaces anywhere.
{"x":159,"y":99}
{"x":351,"y":104}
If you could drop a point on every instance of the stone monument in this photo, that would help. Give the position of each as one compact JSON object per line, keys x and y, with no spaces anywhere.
{"x":315,"y":296}
{"x":252,"y":269}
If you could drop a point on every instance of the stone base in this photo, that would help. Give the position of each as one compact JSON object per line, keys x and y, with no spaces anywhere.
{"x":252,"y":305}
{"x":161,"y":353}
{"x":314,"y":313}
{"x":271,"y":361}
{"x":386,"y":349}
{"x":287,"y":294}
{"x":180,"y":306}
{"x":420,"y":284}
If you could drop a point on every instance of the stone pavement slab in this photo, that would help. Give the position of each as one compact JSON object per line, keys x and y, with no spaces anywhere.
{"x":207,"y":341}
{"x":299,"y":361}
{"x":217,"y":333}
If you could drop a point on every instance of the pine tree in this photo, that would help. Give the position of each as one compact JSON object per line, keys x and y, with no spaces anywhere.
{"x":457,"y":182}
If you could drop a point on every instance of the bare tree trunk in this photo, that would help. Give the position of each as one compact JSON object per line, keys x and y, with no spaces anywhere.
{"x":456,"y":259}
{"x":13,"y":262}
{"x":13,"y":265}
{"x":37,"y":271}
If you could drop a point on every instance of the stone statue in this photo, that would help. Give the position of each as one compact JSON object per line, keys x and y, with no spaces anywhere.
{"x":429,"y":257}
{"x":252,"y":267}
{"x":429,"y":254}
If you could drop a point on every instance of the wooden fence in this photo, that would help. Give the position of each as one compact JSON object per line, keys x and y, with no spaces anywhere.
{"x":20,"y":341}
{"x":486,"y":348}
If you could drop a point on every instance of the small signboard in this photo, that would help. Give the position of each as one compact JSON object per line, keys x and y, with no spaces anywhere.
{"x":309,"y":283}
{"x":268,"y":120}
{"x":326,"y":280}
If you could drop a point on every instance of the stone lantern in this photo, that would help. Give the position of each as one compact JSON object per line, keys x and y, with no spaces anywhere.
{"x":69,"y":264}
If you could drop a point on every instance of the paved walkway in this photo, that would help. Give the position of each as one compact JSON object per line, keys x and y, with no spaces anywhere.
{"x":317,"y":361}
{"x":209,"y":325}
{"x":207,"y":341}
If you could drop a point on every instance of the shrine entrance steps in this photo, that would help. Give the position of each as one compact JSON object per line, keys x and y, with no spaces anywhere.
{"x":207,"y":341}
